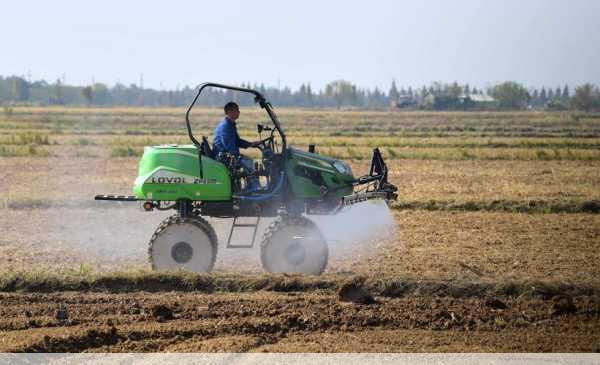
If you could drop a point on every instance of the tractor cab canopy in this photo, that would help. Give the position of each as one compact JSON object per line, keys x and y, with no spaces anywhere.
{"x":269,"y":168}
{"x":258,"y":98}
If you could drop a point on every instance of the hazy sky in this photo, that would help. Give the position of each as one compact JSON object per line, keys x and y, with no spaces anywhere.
{"x":174,"y":43}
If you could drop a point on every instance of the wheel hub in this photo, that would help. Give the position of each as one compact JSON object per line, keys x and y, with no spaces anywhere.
{"x":182,"y":252}
{"x":295,"y":253}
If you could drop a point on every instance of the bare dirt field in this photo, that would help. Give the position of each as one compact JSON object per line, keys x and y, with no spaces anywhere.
{"x":290,"y":322}
{"x":496,"y":246}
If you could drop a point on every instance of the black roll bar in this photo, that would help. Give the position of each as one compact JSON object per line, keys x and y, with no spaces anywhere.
{"x":258,"y":98}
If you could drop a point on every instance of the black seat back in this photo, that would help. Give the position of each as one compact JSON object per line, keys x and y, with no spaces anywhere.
{"x":205,"y":148}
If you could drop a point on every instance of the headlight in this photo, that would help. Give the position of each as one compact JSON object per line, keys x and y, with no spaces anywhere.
{"x":342,"y":167}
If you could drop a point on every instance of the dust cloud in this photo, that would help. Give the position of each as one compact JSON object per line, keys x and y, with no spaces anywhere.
{"x":357,"y":231}
{"x":114,"y":236}
{"x":352,"y":235}
{"x":103,"y":235}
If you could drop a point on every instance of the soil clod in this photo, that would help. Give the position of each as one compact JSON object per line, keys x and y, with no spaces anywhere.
{"x":355,"y":293}
{"x":162,"y":313}
{"x":562,"y":304}
{"x":495,"y":303}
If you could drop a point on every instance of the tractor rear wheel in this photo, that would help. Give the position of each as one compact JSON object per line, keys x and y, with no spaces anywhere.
{"x":183,"y":243}
{"x":294,"y":245}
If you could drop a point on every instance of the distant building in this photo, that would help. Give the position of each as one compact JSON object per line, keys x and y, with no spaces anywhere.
{"x":477,"y":101}
{"x":479,"y":98}
{"x":461,"y":102}
{"x":405,"y":102}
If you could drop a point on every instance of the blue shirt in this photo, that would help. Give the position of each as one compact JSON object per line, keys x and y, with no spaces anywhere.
{"x":227,"y":138}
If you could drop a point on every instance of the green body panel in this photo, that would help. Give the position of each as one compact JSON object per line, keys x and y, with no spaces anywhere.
{"x":171,"y":172}
{"x":307,"y":172}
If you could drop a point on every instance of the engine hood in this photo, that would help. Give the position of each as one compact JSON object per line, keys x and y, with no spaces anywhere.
{"x":318,"y":162}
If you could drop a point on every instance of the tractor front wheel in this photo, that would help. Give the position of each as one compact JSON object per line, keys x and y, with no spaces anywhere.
{"x":294,"y":245}
{"x":183,"y":243}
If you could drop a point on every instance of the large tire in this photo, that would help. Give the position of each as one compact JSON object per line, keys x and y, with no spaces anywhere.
{"x":294,"y":245}
{"x":183,"y":243}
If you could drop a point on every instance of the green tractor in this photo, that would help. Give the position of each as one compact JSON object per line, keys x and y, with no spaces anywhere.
{"x":295,"y":183}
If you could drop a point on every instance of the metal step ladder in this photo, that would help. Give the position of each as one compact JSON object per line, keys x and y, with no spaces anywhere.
{"x":235,"y":225}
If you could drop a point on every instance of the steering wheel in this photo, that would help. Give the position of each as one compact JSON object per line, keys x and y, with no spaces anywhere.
{"x":263,"y":143}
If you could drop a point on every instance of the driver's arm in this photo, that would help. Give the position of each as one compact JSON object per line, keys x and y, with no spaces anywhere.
{"x":242,"y":143}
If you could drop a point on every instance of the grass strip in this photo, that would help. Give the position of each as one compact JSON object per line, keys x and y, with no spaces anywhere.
{"x":512,"y":206}
{"x":393,"y":287}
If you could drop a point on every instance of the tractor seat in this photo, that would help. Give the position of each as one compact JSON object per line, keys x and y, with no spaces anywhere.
{"x":205,"y":148}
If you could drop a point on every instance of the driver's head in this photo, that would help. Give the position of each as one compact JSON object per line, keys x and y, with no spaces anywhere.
{"x":232,"y":110}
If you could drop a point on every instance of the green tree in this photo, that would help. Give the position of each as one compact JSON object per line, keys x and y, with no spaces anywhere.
{"x":300,"y":96}
{"x":376,"y":99}
{"x":19,"y":89}
{"x":88,"y":94}
{"x":535,"y":97}
{"x":584,"y":97}
{"x":565,"y":94}
{"x":341,"y":92}
{"x":393,"y":94}
{"x":510,"y":95}
{"x":543,"y":97}
{"x":454,"y":90}
{"x":2,"y":90}
{"x":102,"y":96}
{"x":58,"y":97}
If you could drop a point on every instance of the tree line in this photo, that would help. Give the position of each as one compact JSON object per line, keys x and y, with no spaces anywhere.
{"x":15,"y":90}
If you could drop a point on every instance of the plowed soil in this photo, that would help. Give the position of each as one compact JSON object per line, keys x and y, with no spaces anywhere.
{"x":295,"y":322}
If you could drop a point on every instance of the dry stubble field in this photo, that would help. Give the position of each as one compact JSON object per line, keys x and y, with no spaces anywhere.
{"x":497,"y":247}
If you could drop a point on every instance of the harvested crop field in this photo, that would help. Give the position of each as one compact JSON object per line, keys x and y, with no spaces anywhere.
{"x":496,"y":248}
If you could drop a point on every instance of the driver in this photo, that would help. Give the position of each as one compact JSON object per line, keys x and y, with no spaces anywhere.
{"x":227,"y":139}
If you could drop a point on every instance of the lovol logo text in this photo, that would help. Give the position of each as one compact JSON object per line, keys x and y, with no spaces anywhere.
{"x":180,"y":180}
{"x":167,"y":180}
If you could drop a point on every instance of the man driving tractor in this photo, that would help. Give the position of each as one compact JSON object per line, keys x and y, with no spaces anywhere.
{"x":189,"y":180}
{"x":228,"y":140}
